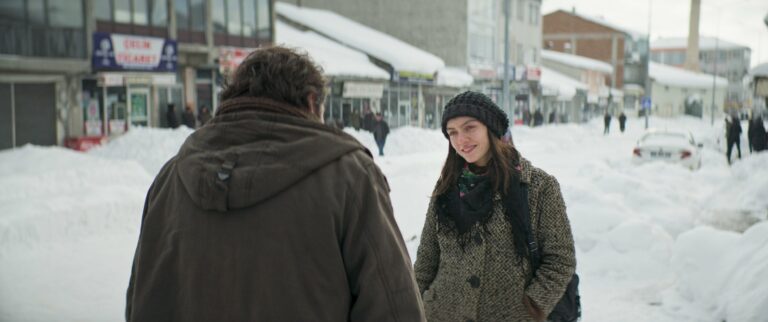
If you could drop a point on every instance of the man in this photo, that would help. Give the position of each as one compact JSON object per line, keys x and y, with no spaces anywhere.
{"x":269,"y":215}
{"x":733,"y":135}
{"x":188,"y":117}
{"x":756,"y":133}
{"x":622,"y":122}
{"x":171,"y":118}
{"x":607,"y":121}
{"x":380,"y":130}
{"x":204,"y":116}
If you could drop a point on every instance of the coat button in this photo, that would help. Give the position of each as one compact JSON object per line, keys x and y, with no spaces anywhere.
{"x":478,"y":239}
{"x":474,"y":281}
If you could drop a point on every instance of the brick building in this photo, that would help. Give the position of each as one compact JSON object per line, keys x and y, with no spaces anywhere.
{"x":581,"y":35}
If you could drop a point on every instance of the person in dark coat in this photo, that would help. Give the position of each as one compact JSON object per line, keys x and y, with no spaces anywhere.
{"x":355,"y":119}
{"x":269,"y":215}
{"x":367,"y":119}
{"x":552,"y":117}
{"x":380,"y":130}
{"x":622,"y":122}
{"x":538,"y":118}
{"x":473,"y":263}
{"x":188,"y":117}
{"x":204,"y":116}
{"x":733,"y":135}
{"x":607,"y":121}
{"x":171,"y":117}
{"x":756,"y":134}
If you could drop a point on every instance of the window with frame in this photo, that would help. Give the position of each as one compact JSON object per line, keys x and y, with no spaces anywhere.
{"x":43,"y":28}
{"x":139,"y":17}
{"x":241,"y":23}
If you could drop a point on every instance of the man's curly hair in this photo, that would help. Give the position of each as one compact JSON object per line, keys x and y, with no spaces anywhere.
{"x":278,"y":73}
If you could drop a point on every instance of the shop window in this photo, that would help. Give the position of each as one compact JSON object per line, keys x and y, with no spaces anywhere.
{"x":12,"y":11}
{"x":159,"y":13}
{"x":241,"y":23}
{"x":140,"y":12}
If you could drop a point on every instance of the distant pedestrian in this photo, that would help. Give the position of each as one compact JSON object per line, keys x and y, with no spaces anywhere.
{"x":758,"y":139}
{"x":204,"y":116}
{"x":538,"y":118}
{"x":607,"y":121}
{"x":552,"y":117}
{"x":171,"y":117}
{"x":367,"y":119}
{"x":188,"y":117}
{"x":380,"y":131}
{"x":733,"y":135}
{"x":355,"y":119}
{"x":622,"y":122}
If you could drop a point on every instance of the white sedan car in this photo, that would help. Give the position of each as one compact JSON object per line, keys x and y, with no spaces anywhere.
{"x":669,"y":146}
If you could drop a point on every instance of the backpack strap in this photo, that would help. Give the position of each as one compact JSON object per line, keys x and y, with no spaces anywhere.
{"x":533,"y":248}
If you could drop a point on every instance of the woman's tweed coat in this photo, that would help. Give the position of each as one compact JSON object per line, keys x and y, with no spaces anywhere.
{"x":486,"y":281}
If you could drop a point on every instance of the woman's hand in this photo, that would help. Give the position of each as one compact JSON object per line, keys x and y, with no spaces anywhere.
{"x":533,"y":310}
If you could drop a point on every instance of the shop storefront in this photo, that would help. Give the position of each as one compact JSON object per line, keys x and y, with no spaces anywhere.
{"x":133,"y":83}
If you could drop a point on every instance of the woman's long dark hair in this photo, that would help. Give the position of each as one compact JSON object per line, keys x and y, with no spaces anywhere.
{"x":502,"y":171}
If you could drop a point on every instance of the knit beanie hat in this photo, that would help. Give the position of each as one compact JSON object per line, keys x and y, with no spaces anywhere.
{"x":479,"y":106}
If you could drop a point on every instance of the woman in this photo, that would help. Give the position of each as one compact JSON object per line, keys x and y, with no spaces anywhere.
{"x":473,"y":261}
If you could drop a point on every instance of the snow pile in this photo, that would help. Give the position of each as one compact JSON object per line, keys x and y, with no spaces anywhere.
{"x":705,"y":43}
{"x":150,"y":147}
{"x":723,"y":273}
{"x":669,"y":75}
{"x":577,"y":61}
{"x":454,"y":77}
{"x":336,"y":59}
{"x":401,"y":55}
{"x":563,"y":86}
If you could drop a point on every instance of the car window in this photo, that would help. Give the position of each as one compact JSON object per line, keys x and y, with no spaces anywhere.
{"x":666,"y":139}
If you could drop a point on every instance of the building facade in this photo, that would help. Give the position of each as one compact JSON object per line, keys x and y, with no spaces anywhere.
{"x":722,"y":58}
{"x":625,"y":50}
{"x":469,"y":34}
{"x":79,"y":68}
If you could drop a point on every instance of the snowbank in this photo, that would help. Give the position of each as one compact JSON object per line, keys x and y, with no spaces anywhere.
{"x":723,"y":273}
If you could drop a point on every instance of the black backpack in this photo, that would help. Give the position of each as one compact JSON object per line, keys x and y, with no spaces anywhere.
{"x":568,"y":309}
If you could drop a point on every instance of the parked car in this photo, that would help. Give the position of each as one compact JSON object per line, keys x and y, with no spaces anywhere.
{"x":668,"y":146}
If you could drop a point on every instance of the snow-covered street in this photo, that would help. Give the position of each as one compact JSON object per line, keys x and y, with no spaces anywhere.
{"x":655,"y":242}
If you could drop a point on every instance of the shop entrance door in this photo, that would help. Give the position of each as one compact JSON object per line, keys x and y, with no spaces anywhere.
{"x":138,"y":102}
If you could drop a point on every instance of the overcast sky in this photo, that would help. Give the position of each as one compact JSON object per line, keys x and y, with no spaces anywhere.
{"x":740,"y":21}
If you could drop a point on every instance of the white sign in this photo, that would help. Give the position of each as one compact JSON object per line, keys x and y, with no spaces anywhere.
{"x":137,"y":52}
{"x":363,"y":90}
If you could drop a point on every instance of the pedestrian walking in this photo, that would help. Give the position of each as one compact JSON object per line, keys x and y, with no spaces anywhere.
{"x":607,"y":121}
{"x":188,"y":117}
{"x":622,"y":122}
{"x":171,"y":117}
{"x":204,"y":116}
{"x":380,"y":130}
{"x":473,"y":262}
{"x":758,"y":139}
{"x":269,"y":215}
{"x":733,"y":135}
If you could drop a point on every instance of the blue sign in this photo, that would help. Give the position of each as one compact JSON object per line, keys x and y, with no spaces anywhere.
{"x":130,"y":52}
{"x":646,"y":102}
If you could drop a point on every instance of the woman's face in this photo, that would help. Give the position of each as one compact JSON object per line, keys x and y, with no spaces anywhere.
{"x":469,"y":137}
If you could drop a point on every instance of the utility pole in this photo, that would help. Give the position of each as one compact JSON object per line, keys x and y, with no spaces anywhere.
{"x":505,"y":85}
{"x":648,"y":67}
{"x":714,"y":78}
